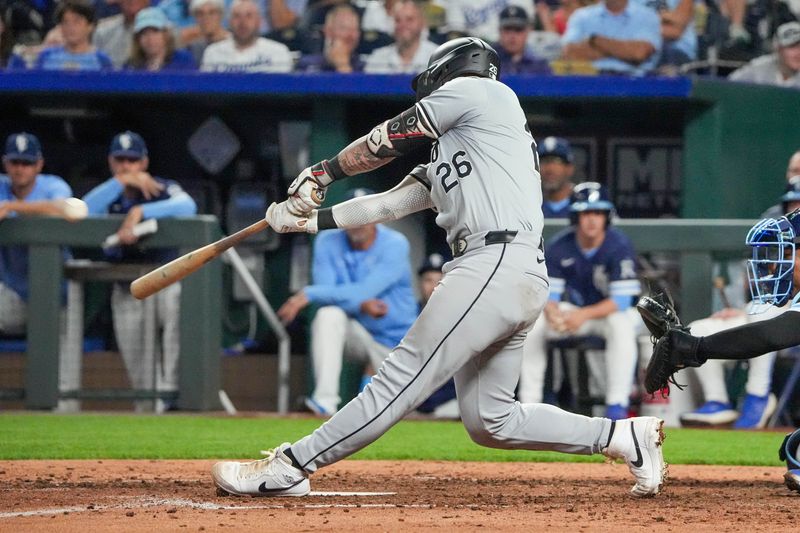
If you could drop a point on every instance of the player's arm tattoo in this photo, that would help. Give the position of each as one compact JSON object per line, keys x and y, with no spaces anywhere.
{"x":358,"y":158}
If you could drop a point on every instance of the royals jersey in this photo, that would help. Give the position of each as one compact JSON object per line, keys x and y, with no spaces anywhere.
{"x":608,"y":271}
{"x":483,"y":172}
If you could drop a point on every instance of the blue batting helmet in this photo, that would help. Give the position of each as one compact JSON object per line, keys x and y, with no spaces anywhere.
{"x":590,"y":196}
{"x":771,"y":268}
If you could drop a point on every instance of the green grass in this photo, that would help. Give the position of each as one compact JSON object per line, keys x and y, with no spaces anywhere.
{"x":100,"y":436}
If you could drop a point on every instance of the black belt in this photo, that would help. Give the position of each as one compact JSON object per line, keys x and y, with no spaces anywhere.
{"x":492,"y":237}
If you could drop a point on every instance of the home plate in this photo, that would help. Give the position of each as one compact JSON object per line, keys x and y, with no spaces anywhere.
{"x":327,"y":493}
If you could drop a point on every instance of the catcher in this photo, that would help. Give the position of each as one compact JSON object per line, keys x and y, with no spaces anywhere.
{"x":774,"y":275}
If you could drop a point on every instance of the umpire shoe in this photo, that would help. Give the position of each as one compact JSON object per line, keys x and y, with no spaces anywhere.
{"x":755,"y":410}
{"x":638,"y":441}
{"x":272,"y":476}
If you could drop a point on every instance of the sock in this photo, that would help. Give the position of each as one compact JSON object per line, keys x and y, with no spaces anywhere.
{"x":290,"y":455}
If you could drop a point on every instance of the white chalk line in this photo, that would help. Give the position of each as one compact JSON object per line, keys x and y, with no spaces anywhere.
{"x":144,"y":502}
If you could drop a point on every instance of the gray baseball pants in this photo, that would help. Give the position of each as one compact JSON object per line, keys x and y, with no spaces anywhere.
{"x":473,"y":327}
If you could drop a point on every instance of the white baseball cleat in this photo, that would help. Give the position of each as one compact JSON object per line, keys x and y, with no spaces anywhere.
{"x":272,"y":476}
{"x":638,"y":441}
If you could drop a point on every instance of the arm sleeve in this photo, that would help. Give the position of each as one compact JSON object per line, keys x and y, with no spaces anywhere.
{"x":409,"y":196}
{"x":386,"y":272}
{"x":179,"y":204}
{"x":753,"y":339}
{"x":99,"y":198}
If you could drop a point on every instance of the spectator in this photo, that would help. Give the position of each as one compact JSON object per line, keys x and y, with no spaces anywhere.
{"x":792,"y":170}
{"x":341,"y":34}
{"x":779,"y":68}
{"x":280,"y":14}
{"x":362,"y":283}
{"x":181,"y":19}
{"x":209,"y":15}
{"x":564,"y":12}
{"x":245,"y":51}
{"x":478,"y":18}
{"x":593,"y":266}
{"x":378,"y":17}
{"x":114,"y":35}
{"x":6,"y":42}
{"x":410,"y":52}
{"x":516,"y":56}
{"x":677,"y":32}
{"x":135,"y":193}
{"x":617,"y":36}
{"x":154,"y":44}
{"x":76,"y":20}
{"x":556,"y":167}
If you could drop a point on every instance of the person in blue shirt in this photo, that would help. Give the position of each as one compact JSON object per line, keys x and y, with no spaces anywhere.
{"x":77,"y":21}
{"x":516,"y":57}
{"x":617,"y":36}
{"x":593,"y":284}
{"x":132,"y":191}
{"x":677,"y":32}
{"x":362,"y":283}
{"x":556,"y":167}
{"x":24,"y":190}
{"x":154,"y":44}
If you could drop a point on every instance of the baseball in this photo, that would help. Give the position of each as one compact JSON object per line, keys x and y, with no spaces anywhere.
{"x":75,"y":209}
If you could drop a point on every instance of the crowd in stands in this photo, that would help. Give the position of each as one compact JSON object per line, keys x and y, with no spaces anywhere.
{"x":757,"y":41}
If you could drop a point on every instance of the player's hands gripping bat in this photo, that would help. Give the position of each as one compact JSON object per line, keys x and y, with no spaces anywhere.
{"x":307,"y":191}
{"x":282,"y":220}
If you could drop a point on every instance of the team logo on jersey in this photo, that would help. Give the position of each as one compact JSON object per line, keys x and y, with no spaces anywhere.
{"x":22,"y":143}
{"x":627,"y":269}
{"x":569,"y":261}
{"x":600,"y":278}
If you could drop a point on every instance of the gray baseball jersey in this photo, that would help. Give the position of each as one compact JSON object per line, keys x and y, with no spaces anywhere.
{"x":482,"y":178}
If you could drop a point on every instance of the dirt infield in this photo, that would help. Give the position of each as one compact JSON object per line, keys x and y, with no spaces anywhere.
{"x":82,"y":496}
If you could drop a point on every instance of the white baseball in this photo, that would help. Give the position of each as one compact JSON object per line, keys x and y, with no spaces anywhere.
{"x":75,"y":209}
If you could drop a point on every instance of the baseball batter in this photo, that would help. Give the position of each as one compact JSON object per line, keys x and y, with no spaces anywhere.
{"x":483,"y":182}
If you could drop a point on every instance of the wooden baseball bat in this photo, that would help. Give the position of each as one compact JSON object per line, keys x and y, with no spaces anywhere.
{"x":176,"y":270}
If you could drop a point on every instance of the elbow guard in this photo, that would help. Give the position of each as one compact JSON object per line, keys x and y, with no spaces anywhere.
{"x":397,"y":136}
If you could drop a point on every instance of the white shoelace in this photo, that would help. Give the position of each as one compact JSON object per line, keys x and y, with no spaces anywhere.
{"x":259,"y":466}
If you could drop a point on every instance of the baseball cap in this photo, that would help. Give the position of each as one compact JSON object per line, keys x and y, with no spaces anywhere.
{"x":150,"y":17}
{"x":556,"y":146}
{"x":514,"y":17}
{"x":128,"y":144}
{"x":23,"y":147}
{"x":432,"y":263}
{"x":788,"y":34}
{"x":197,"y":4}
{"x":792,"y":193}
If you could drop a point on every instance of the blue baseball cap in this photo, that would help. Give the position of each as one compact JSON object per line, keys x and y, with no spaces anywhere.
{"x":792,"y":193}
{"x":432,"y":263}
{"x":150,"y":17}
{"x":557,"y":147}
{"x":128,"y":144}
{"x":23,"y":147}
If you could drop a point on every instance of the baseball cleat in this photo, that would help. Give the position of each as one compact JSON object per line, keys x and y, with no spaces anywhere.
{"x":272,"y":476}
{"x":710,"y":414}
{"x":756,"y":410}
{"x":638,"y":442}
{"x":792,"y":479}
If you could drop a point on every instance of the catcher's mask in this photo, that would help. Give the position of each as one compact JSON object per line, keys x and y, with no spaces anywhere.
{"x":771,"y":268}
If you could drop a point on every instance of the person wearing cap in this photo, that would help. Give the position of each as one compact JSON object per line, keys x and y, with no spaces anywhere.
{"x":245,"y":51}
{"x":779,"y":68}
{"x":77,"y":22}
{"x":616,"y":36}
{"x":411,"y":49}
{"x":134,"y":192}
{"x":556,"y":167}
{"x":516,"y":57}
{"x":114,"y":34}
{"x":362,"y":287}
{"x":24,"y":190}
{"x":153,"y":47}
{"x":342,"y":34}
{"x":209,"y":15}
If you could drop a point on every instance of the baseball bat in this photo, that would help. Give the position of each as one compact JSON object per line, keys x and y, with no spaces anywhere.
{"x":176,"y":270}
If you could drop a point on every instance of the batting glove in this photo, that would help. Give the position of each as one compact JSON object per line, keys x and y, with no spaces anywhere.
{"x":307,"y":191}
{"x":282,"y":220}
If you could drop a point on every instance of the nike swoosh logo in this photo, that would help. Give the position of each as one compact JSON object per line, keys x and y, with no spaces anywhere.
{"x":264,"y":490}
{"x":567,"y":262}
{"x":639,"y":460}
{"x":540,"y":261}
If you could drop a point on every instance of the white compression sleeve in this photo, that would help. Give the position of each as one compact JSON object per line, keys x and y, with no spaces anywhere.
{"x":408,"y":196}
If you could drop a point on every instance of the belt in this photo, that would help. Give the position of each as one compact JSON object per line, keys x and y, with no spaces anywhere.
{"x":459,"y":246}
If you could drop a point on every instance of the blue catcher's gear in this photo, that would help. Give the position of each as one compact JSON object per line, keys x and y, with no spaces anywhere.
{"x":770,"y":270}
{"x":590,"y":196}
{"x":466,"y":56}
{"x":790,"y":452}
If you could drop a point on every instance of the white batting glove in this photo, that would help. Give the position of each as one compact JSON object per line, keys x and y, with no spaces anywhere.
{"x":282,"y":220}
{"x":307,"y":191}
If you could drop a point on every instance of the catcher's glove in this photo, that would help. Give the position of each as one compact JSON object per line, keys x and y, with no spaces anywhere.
{"x":658,"y":313}
{"x":675,"y":350}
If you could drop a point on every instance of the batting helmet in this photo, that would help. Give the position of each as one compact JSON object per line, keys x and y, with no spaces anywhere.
{"x":465,"y":56}
{"x":590,"y":196}
{"x":770,"y":270}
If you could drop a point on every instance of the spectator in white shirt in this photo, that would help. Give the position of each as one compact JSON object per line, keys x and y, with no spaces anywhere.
{"x":410,"y":52}
{"x":245,"y":51}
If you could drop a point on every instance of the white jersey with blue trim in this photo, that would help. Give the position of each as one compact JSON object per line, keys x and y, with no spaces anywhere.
{"x":483,"y":173}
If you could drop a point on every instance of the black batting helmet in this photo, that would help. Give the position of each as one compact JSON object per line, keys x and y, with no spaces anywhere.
{"x":459,"y":57}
